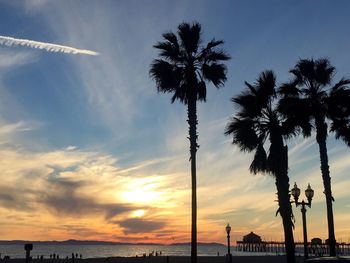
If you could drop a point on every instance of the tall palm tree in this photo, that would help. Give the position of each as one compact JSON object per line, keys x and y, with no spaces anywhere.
{"x":256,"y":122}
{"x":309,"y":95}
{"x":184,"y":68}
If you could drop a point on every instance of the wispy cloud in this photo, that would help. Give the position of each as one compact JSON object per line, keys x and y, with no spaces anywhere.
{"x":10,"y":41}
{"x":13,"y":59}
{"x":17,"y":127}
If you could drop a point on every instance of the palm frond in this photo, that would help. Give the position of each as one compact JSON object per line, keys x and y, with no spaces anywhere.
{"x":166,"y":75}
{"x":243,"y":133}
{"x":248,"y":105}
{"x":214,"y":72}
{"x":190,"y":36}
{"x":202,"y":91}
{"x":338,"y":100}
{"x":213,"y":43}
{"x":314,"y":72}
{"x":289,"y":89}
{"x":323,"y":71}
{"x":251,"y":88}
{"x":259,"y":163}
{"x":341,"y":127}
{"x":180,"y":94}
{"x":294,"y":126}
{"x":214,"y":56}
{"x":296,"y":113}
{"x":298,"y":78}
{"x":341,"y":84}
{"x":305,"y":68}
{"x":168,"y":51}
{"x":171,"y":37}
{"x":265,"y":87}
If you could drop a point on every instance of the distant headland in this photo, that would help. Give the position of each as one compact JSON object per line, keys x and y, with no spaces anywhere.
{"x":96,"y":242}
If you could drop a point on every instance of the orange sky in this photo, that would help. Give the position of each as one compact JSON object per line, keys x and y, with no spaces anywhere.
{"x":72,"y":193}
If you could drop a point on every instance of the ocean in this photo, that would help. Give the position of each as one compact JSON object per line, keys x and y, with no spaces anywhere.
{"x":93,"y":251}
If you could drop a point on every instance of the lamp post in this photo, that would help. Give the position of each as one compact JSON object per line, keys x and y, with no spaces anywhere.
{"x":228,"y":230}
{"x":309,"y":193}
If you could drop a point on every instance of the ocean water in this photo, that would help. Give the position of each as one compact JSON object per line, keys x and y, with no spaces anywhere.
{"x":90,"y":251}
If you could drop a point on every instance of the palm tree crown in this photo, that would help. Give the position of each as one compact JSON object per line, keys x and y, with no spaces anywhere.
{"x":258,"y":119}
{"x":309,"y":96}
{"x":185,"y":66}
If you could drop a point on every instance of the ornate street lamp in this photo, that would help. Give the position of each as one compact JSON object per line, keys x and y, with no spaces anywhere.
{"x":309,"y":193}
{"x":228,"y":230}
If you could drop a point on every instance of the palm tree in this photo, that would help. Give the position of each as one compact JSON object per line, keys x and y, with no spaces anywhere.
{"x":184,"y":68}
{"x":310,"y":95}
{"x":256,"y":122}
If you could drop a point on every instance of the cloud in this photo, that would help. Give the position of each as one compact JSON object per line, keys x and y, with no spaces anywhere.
{"x":10,"y":41}
{"x":17,"y":127}
{"x":63,"y":199}
{"x":71,"y":148}
{"x":12,"y":201}
{"x":81,"y":231}
{"x":14,"y":59}
{"x":137,"y":225}
{"x":73,"y":187}
{"x":35,"y":4}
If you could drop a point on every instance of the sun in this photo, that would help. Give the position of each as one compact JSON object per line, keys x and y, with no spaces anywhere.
{"x":141,"y":191}
{"x":140,"y":196}
{"x":138,"y":213}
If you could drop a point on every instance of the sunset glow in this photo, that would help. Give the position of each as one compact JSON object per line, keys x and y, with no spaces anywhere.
{"x":90,"y":151}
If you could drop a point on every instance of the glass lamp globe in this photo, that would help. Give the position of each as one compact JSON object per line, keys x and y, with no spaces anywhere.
{"x":228,"y":229}
{"x":295,"y":191}
{"x":309,"y":193}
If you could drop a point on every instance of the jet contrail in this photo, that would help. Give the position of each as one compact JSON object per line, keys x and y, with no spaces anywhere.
{"x":10,"y":41}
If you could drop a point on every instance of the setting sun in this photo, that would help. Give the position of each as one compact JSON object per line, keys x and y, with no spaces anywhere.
{"x":138,"y":213}
{"x":142,"y":191}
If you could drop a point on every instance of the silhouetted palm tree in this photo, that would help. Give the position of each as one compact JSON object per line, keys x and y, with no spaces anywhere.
{"x":183,"y":69}
{"x":256,"y":122}
{"x":309,"y":95}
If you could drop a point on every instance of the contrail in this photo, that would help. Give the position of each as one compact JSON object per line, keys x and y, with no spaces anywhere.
{"x":10,"y":41}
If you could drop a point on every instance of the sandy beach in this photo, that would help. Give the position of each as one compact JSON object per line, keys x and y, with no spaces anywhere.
{"x":163,"y":259}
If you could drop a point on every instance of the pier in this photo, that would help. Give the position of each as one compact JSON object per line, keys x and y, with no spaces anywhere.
{"x":254,"y":243}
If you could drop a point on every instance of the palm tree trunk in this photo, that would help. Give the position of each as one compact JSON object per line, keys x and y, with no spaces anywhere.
{"x":192,"y":121}
{"x":321,"y":137}
{"x":285,"y":208}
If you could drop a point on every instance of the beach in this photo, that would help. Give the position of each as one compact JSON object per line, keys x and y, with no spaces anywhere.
{"x":164,"y":259}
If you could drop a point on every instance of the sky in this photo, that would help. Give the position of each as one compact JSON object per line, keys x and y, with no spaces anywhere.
{"x":90,"y":151}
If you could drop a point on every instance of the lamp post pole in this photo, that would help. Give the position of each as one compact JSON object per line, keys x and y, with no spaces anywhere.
{"x":309,"y":193}
{"x":228,"y":244}
{"x":228,"y":230}
{"x":303,"y":212}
